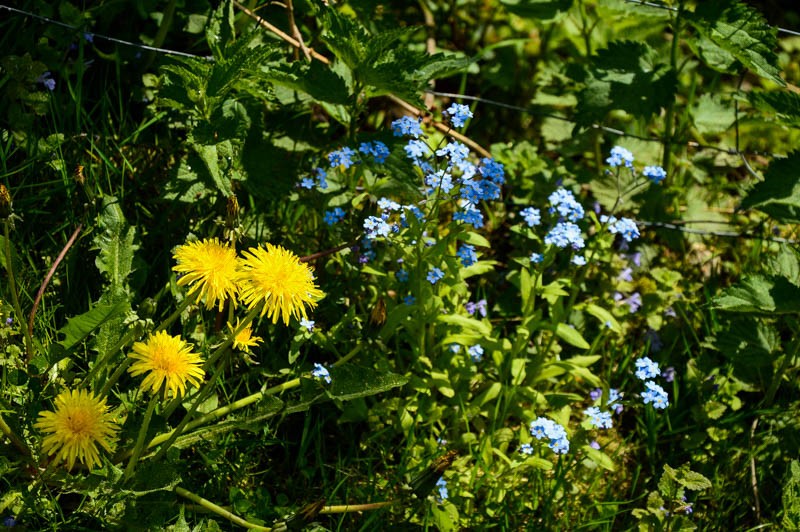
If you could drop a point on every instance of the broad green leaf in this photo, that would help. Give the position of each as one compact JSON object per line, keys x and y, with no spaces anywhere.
{"x":742,"y":31}
{"x":78,"y":328}
{"x":571,"y":336}
{"x":779,"y":194}
{"x":315,"y":79}
{"x":604,"y":317}
{"x":784,"y":106}
{"x":350,"y":382}
{"x":599,"y":457}
{"x":467,"y":323}
{"x":541,"y":10}
{"x":627,"y":76}
{"x":711,"y":115}
{"x":208,"y":154}
{"x":762,"y":295}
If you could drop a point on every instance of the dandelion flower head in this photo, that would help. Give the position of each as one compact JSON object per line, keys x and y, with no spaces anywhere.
{"x":244,"y":339}
{"x":80,"y":423}
{"x":209,"y":268}
{"x":167,"y":360}
{"x":275,"y":278}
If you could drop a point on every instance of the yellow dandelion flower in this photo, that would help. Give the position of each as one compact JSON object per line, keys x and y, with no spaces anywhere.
{"x":166,"y":360}
{"x":209,"y":268}
{"x":245,"y":339}
{"x":276,"y":278}
{"x":79,"y":424}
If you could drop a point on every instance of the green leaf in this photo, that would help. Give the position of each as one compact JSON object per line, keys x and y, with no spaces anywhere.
{"x":604,"y":317}
{"x":779,"y":194}
{"x":208,"y":154}
{"x":80,"y":327}
{"x":784,"y":106}
{"x":351,"y":382}
{"x":541,"y":10}
{"x":467,"y":323}
{"x":625,"y":76}
{"x":742,"y":31}
{"x":345,"y":37}
{"x":599,"y":457}
{"x":116,"y":245}
{"x":571,"y":336}
{"x":711,"y":115}
{"x":315,"y":79}
{"x":762,"y":295}
{"x":220,"y":30}
{"x":791,"y":497}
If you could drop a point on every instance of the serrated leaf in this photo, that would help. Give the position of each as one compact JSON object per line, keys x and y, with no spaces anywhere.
{"x":351,"y":382}
{"x":315,"y":79}
{"x":116,"y":245}
{"x":782,"y":105}
{"x":791,"y":497}
{"x":627,"y":76}
{"x":571,"y":336}
{"x":779,"y":194}
{"x":220,"y":30}
{"x":711,"y":115}
{"x":345,"y":37}
{"x":760,"y":294}
{"x":742,"y":31}
{"x":208,"y":154}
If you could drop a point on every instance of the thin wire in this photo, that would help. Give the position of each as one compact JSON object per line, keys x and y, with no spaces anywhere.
{"x":103,"y":37}
{"x":614,"y":131}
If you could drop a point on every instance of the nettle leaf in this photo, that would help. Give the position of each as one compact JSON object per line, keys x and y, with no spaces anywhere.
{"x":741,"y":31}
{"x":210,"y":158}
{"x":711,"y":115}
{"x":779,"y":194}
{"x":541,"y":10}
{"x":242,"y":59}
{"x":351,"y":382}
{"x":761,"y":295}
{"x":628,"y":77}
{"x":315,"y":79}
{"x":221,"y":30}
{"x":783,"y":105}
{"x":345,"y":37}
{"x":791,"y":497}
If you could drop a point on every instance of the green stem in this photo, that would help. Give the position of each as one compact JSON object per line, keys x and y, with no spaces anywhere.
{"x":15,"y":440}
{"x":224,"y":411}
{"x":12,"y":286}
{"x":670,"y":114}
{"x":137,"y":450}
{"x":222,"y":512}
{"x":345,"y":508}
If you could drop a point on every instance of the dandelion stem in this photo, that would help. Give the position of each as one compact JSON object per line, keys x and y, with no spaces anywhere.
{"x":345,"y":508}
{"x":12,"y":286}
{"x":219,"y":510}
{"x":225,"y":410}
{"x":137,"y":450}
